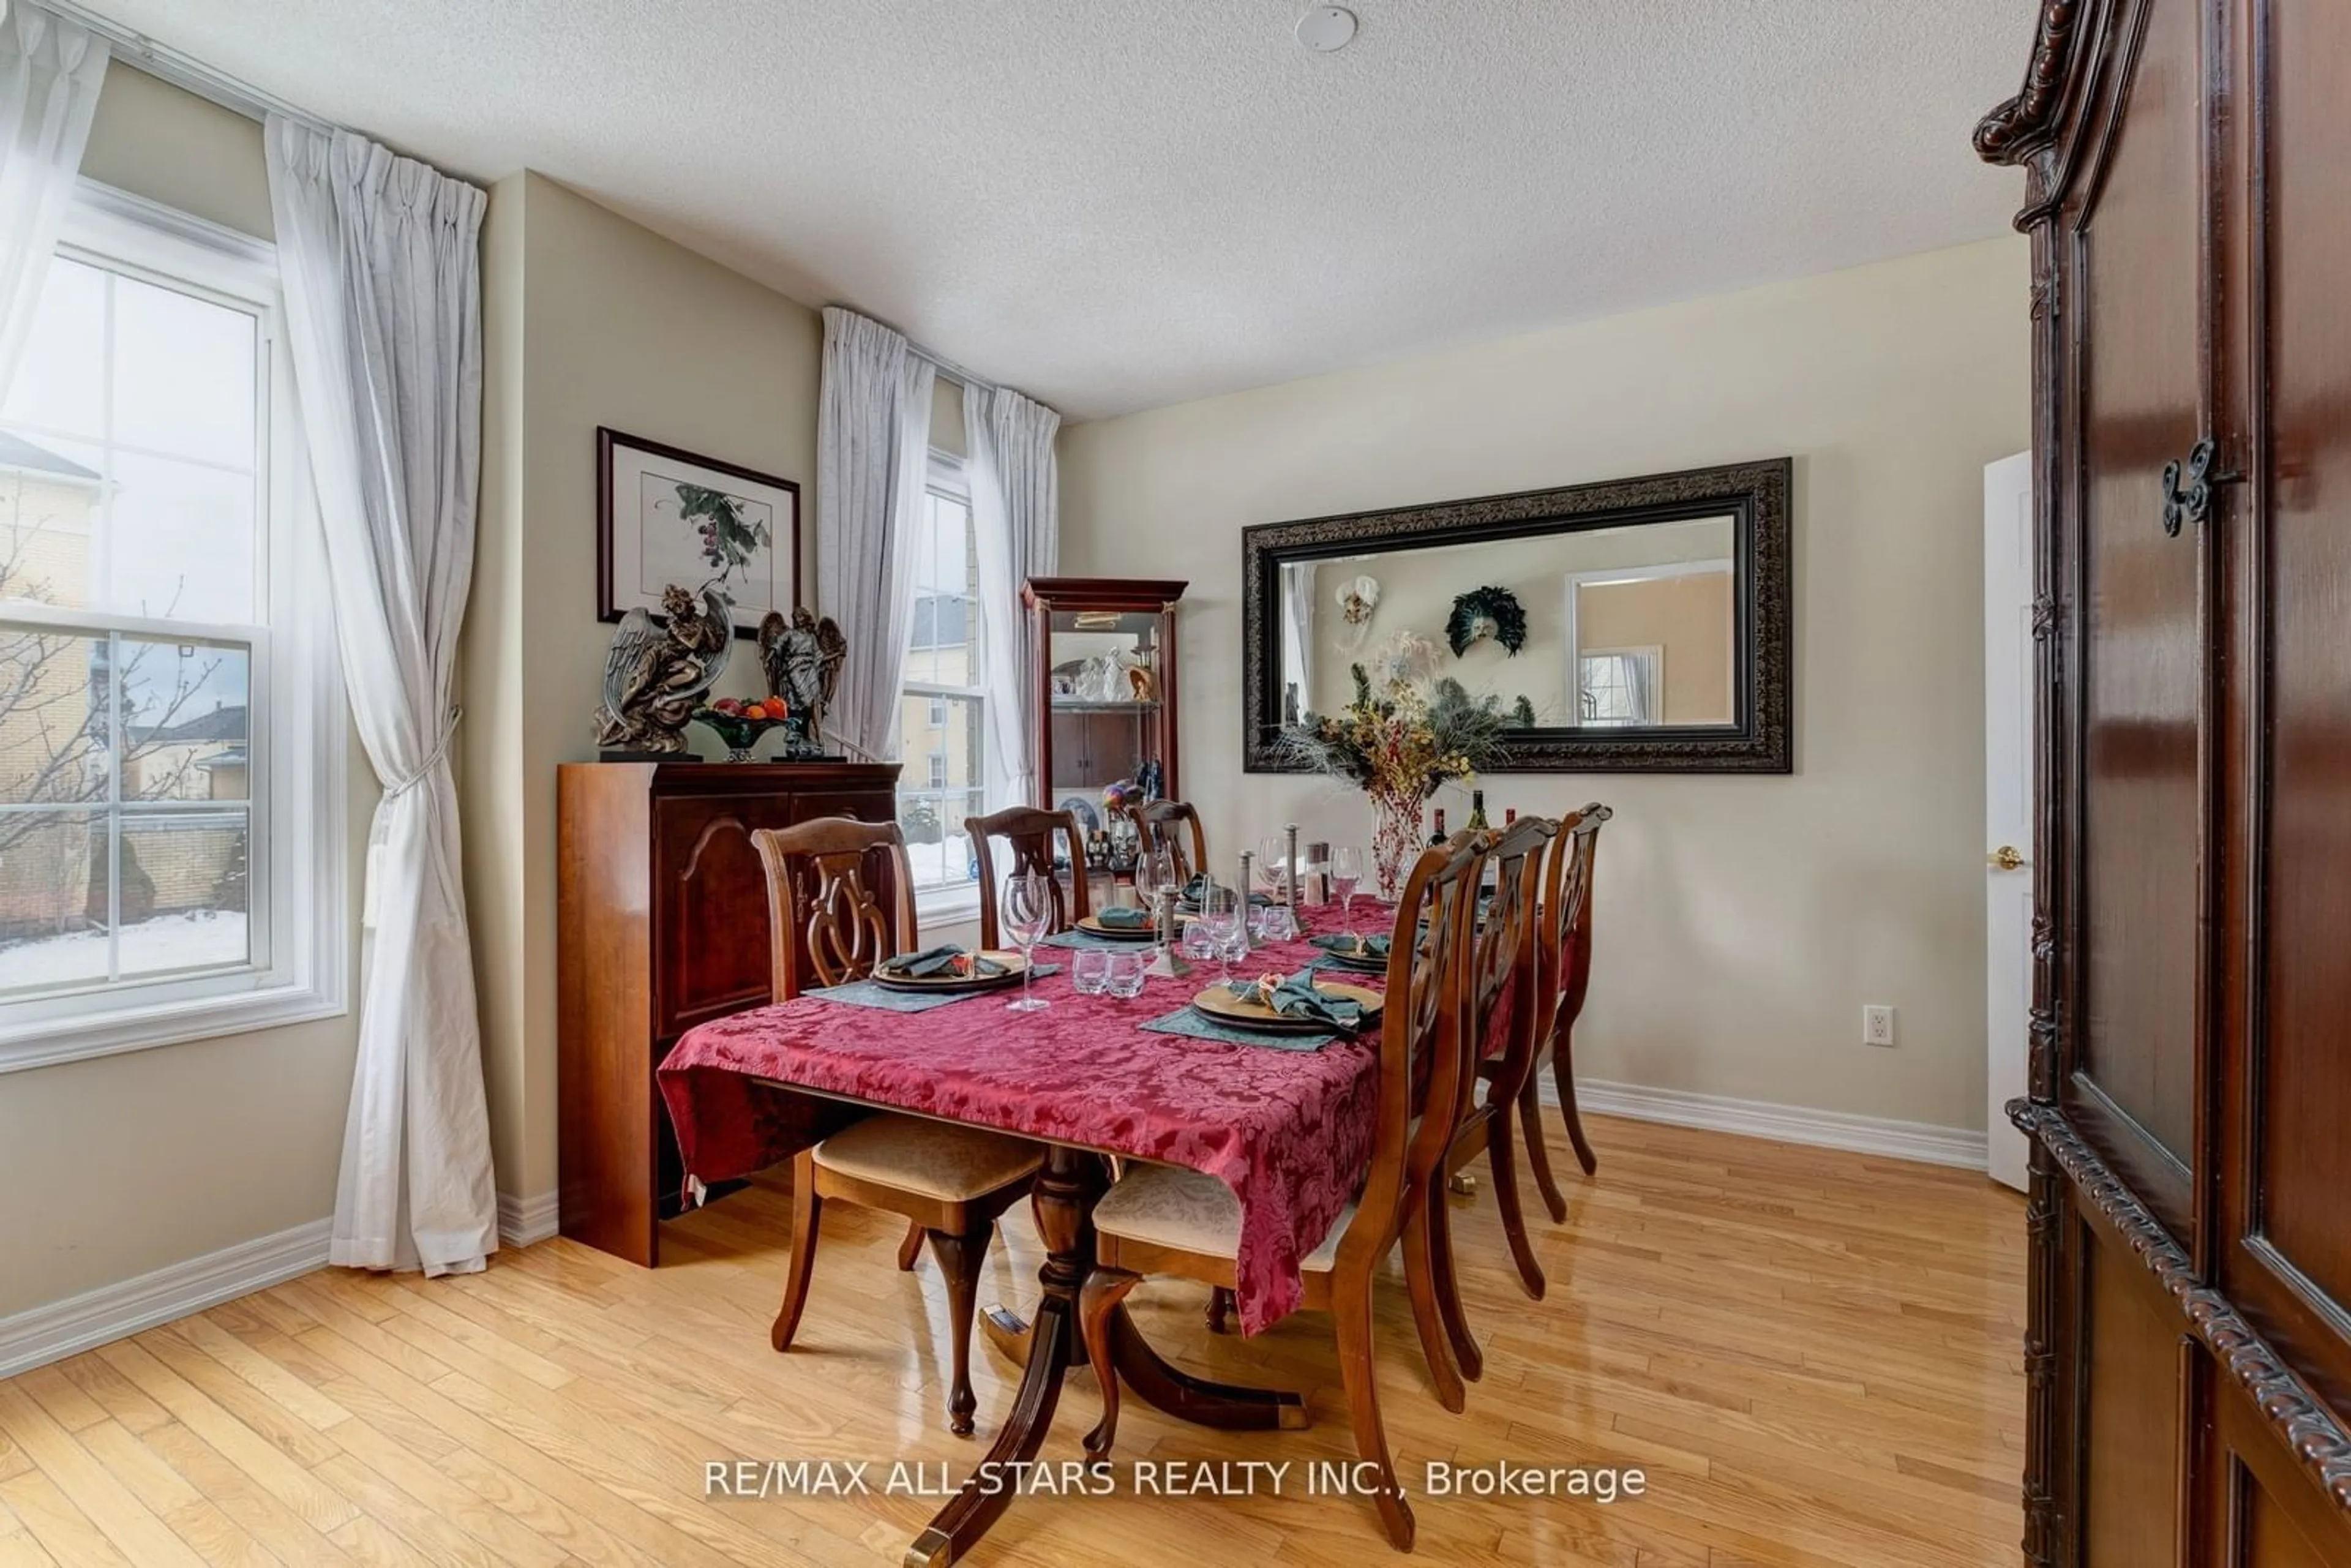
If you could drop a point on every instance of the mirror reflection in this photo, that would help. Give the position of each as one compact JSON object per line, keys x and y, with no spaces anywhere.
{"x":1627,"y":627}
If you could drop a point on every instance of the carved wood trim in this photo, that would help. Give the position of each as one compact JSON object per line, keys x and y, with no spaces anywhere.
{"x":2028,"y":122}
{"x":2295,"y":1415}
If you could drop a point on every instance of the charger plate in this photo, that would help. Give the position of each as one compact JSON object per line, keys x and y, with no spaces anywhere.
{"x":1014,"y":965}
{"x":1247,"y":1012}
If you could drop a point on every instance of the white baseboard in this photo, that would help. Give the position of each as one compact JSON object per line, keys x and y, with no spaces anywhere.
{"x":1920,"y":1141}
{"x":42,"y":1334}
{"x":523,"y":1220}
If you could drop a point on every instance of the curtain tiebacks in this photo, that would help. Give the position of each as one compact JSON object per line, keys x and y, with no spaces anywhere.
{"x":432,"y":759}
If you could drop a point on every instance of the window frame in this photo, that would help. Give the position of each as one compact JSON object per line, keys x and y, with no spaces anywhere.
{"x":300,"y":912}
{"x":946,"y":477}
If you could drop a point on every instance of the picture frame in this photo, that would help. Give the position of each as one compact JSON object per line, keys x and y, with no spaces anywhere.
{"x":664,"y":515}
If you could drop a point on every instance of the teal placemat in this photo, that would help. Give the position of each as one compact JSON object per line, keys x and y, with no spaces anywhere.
{"x":1193,"y":1024}
{"x":866,"y":994}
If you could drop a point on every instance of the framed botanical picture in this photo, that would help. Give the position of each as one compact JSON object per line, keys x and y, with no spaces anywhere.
{"x":664,"y":515}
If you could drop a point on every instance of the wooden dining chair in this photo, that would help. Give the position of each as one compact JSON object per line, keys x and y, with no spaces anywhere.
{"x":840,"y":900}
{"x":1514,"y":983}
{"x":1567,"y":905}
{"x":1160,"y":1219}
{"x":1028,"y":832}
{"x":1175,"y":825}
{"x":1509,"y":980}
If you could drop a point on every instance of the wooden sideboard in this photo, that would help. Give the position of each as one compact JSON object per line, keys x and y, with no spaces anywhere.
{"x":662,"y":924}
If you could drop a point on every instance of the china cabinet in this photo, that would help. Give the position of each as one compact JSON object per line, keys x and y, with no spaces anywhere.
{"x":1103,"y":652}
{"x":2189,"y":1349}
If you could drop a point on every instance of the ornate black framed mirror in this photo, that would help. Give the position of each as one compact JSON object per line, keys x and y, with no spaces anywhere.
{"x":1635,"y":626}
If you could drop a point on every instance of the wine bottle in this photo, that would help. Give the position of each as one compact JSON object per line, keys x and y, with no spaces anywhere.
{"x":1477,"y":810}
{"x":1510,"y":816}
{"x":1437,"y":836}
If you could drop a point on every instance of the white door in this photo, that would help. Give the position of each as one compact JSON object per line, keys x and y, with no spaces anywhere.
{"x":2008,"y":796}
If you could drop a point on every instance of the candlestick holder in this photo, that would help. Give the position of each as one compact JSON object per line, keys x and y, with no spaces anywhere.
{"x":1168,"y":964}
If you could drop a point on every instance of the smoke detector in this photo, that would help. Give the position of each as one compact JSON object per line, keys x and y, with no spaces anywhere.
{"x":1327,"y":28}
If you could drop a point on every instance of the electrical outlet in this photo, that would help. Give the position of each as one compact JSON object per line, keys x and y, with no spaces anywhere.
{"x":1877,"y":1024}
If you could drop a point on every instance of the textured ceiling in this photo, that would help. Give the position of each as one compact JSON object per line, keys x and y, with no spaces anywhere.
{"x":1116,"y":204}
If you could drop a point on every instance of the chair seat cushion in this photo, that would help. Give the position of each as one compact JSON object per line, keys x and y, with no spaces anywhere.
{"x":937,"y":1159}
{"x":1162,"y":1205}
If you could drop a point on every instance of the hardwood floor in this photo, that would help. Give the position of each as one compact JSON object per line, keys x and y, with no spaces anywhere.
{"x":1814,"y":1357}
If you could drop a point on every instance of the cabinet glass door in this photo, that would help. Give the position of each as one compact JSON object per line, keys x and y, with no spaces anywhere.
{"x":1104,"y":677}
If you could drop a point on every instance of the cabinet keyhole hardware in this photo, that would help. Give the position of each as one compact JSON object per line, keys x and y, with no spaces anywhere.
{"x":2193,"y":504}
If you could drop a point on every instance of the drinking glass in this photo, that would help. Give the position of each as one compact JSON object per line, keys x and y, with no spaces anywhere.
{"x":1346,"y":875}
{"x":1027,"y":917}
{"x":1278,"y":924}
{"x":1199,"y":943}
{"x":1126,"y":971}
{"x":1090,"y":970}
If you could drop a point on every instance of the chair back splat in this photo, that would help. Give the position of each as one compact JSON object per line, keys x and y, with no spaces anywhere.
{"x":1027,"y":833}
{"x":840,"y":900}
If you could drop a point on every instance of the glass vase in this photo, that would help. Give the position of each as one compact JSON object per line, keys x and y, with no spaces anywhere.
{"x":1395,"y":829}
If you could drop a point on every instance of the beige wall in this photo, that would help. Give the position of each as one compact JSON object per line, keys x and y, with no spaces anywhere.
{"x":113,"y":1167}
{"x":1686,"y":618}
{"x":1742,"y":922}
{"x":617,"y":327}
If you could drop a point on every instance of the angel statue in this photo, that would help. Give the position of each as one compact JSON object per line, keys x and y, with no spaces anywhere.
{"x":655,"y":677}
{"x":802,"y":657}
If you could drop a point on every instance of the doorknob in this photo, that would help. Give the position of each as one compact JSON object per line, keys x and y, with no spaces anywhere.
{"x":2006,"y":858}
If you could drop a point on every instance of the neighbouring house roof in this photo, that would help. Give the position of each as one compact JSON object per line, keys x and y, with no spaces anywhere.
{"x":221,"y":724}
{"x":15,"y":452}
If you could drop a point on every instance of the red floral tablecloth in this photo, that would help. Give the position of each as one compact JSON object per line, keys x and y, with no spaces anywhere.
{"x":1289,"y":1130}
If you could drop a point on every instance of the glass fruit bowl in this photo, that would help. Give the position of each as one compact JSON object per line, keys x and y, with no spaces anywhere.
{"x":741,"y":724}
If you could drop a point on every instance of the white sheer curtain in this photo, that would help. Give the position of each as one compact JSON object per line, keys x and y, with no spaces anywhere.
{"x":1298,"y":582}
{"x":1016,"y":510}
{"x":381,"y":261}
{"x":872,"y":461}
{"x":50,"y":71}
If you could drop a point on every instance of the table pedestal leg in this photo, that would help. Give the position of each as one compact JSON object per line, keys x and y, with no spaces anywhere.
{"x":1063,"y":1198}
{"x":1229,"y":1407}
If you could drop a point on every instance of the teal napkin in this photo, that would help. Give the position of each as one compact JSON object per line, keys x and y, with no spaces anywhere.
{"x":1298,"y":997}
{"x":1365,"y":947}
{"x":933,"y":961}
{"x":1122,"y":917}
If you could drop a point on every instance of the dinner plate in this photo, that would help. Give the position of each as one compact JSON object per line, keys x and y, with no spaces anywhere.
{"x":1013,"y":966}
{"x":1095,"y":927}
{"x":1247,"y":1012}
{"x":1370,"y":964}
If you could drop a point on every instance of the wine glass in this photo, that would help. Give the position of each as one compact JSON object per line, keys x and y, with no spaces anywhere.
{"x":1154,"y":872}
{"x":1346,"y":875}
{"x":1219,"y":920}
{"x":1027,"y":917}
{"x":1274,"y":863}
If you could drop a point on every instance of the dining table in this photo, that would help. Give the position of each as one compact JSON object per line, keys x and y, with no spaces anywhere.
{"x":1286,"y":1121}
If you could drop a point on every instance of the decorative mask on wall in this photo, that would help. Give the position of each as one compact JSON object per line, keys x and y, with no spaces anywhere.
{"x":1357,"y":596}
{"x":1484,"y":612}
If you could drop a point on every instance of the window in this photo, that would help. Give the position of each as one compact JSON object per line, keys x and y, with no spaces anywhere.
{"x":169,"y":822}
{"x":1619,"y":686}
{"x":943,"y":713}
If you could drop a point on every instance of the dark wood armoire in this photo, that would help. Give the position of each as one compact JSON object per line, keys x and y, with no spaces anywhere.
{"x":661,"y":925}
{"x":2189,"y":198}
